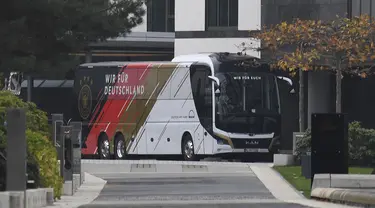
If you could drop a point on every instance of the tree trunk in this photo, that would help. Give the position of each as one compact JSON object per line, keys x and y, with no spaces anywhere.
{"x":301,"y":101}
{"x":338,"y":86}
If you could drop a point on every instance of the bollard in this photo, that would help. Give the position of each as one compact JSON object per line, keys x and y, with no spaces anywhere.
{"x":66,"y":153}
{"x":60,"y":149}
{"x":16,"y":150}
{"x":50,"y":199}
{"x":76,"y":138}
{"x":17,"y":199}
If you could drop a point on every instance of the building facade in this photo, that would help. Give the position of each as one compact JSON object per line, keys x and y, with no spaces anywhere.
{"x":177,"y":27}
{"x":215,"y":25}
{"x":153,"y":40}
{"x":223,"y":25}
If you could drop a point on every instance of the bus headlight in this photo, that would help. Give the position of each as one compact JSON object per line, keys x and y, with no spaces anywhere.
{"x":222,"y":141}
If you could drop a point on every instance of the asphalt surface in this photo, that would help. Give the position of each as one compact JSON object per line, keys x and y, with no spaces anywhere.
{"x":185,"y":190}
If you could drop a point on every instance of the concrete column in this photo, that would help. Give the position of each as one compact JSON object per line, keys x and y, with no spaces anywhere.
{"x":319,"y":94}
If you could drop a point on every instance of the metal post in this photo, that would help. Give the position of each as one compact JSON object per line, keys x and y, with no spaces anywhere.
{"x":30,"y":86}
{"x":60,"y":149}
{"x":56,"y":127}
{"x":16,"y":150}
{"x":68,"y":153}
{"x":76,"y":137}
{"x":76,"y":140}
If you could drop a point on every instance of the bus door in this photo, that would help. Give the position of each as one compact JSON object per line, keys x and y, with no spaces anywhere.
{"x":202,"y":95}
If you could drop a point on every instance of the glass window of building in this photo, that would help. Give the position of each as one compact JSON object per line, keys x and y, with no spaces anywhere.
{"x":221,"y":13}
{"x":160,"y":15}
{"x":276,"y":11}
{"x":362,"y":7}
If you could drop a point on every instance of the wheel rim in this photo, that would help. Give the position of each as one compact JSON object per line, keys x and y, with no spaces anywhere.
{"x":189,"y":149}
{"x":105,"y":148}
{"x":120,"y":149}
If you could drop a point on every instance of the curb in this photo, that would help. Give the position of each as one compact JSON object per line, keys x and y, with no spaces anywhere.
{"x":344,"y":196}
{"x":287,"y":182}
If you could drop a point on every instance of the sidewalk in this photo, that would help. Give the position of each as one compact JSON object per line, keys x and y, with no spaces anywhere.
{"x":86,"y":193}
{"x":283,"y":191}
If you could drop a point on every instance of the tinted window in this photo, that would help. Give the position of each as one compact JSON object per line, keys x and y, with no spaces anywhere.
{"x":221,"y":13}
{"x":160,"y":15}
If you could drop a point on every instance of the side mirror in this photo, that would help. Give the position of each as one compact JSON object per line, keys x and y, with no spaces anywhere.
{"x":217,"y":84}
{"x":290,"y":82}
{"x":215,"y":80}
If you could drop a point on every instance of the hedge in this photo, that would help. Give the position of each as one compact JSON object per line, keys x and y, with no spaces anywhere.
{"x":361,"y":145}
{"x":41,"y":152}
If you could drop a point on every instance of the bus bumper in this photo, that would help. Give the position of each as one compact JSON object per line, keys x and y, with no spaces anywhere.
{"x":271,"y":145}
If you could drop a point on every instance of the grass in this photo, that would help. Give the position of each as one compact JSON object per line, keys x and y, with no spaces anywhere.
{"x":293,"y":174}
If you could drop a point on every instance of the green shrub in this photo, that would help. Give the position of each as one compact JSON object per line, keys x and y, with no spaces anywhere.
{"x":36,"y":119}
{"x":361,"y":145}
{"x":46,"y":156}
{"x":33,"y":170}
{"x":40,"y":148}
{"x":303,"y":145}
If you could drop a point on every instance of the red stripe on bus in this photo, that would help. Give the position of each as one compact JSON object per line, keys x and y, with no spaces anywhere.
{"x":112,"y":107}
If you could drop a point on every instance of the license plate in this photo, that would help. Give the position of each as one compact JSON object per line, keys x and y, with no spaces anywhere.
{"x":252,"y":150}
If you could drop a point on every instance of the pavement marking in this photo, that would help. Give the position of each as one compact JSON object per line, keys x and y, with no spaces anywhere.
{"x":121,"y":175}
{"x":86,"y":161}
{"x":192,"y":202}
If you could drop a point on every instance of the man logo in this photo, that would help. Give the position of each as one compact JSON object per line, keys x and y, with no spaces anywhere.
{"x":85,"y":97}
{"x":252,"y":142}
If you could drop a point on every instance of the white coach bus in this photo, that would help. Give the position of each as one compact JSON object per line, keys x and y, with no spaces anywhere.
{"x":196,"y":106}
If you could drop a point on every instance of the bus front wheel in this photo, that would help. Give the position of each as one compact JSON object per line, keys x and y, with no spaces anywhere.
{"x":103,"y":147}
{"x":119,"y":147}
{"x":188,"y":148}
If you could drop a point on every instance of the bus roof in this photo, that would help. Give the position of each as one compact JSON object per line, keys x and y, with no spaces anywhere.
{"x":121,"y":64}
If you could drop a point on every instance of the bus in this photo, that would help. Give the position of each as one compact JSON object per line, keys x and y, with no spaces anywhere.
{"x":194,"y":106}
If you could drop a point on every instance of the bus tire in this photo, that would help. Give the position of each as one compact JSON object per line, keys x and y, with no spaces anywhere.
{"x":187,"y":148}
{"x":103,"y":147}
{"x":119,"y":147}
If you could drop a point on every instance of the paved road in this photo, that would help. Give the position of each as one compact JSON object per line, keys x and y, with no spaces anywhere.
{"x":206,"y":186}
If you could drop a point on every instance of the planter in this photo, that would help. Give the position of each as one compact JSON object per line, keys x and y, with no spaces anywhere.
{"x":306,"y":166}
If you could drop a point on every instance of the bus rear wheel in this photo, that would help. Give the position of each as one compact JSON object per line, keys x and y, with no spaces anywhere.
{"x":103,"y":147}
{"x":119,"y":147}
{"x":187,"y":148}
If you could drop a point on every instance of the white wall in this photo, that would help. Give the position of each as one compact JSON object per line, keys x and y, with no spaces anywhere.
{"x":190,"y":15}
{"x":249,"y":14}
{"x":201,"y":45}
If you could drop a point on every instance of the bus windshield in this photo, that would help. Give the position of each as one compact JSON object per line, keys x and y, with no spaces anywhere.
{"x":244,"y":98}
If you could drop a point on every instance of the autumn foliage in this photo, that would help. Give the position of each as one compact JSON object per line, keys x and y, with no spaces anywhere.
{"x":342,"y":44}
